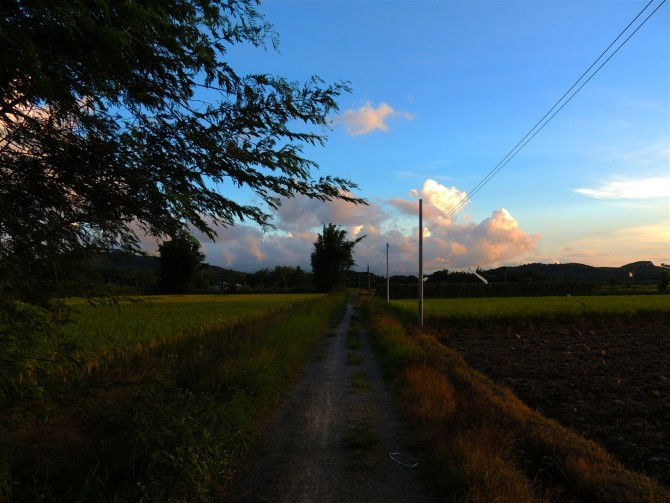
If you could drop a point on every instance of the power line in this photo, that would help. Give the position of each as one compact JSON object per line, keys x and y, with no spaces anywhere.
{"x":539,"y":125}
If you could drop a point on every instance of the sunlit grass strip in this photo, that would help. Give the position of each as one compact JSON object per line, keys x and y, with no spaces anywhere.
{"x":516,"y":311}
{"x":479,"y":442}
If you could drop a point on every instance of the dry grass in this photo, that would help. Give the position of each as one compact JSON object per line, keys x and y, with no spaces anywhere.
{"x":479,"y":442}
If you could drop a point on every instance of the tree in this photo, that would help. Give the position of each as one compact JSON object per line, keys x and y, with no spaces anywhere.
{"x":120,"y":118}
{"x":332,"y":257}
{"x":180,"y":260}
{"x":665,"y":280}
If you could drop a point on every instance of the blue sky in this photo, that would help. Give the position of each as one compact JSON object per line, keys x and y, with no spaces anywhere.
{"x":442,"y":91}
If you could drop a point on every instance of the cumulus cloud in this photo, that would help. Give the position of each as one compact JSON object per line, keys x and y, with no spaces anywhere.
{"x":453,"y":242}
{"x":248,"y":249}
{"x":440,"y":200}
{"x":630,"y":188}
{"x":367,"y":118}
{"x":453,"y":245}
{"x":301,"y":212}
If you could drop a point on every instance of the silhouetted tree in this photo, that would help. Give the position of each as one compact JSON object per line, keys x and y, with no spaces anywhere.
{"x":665,"y":280}
{"x":180,"y":260}
{"x":332,"y":257}
{"x":119,"y":117}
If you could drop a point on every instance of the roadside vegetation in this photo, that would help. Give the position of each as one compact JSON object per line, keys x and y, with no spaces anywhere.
{"x":477,"y":441}
{"x":164,"y":415}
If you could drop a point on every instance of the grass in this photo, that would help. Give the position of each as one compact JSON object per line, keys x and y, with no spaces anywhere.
{"x":362,"y":438}
{"x":167,"y":420}
{"x":150,"y":319}
{"x":360,"y":381}
{"x":353,"y":337}
{"x":479,"y":443}
{"x":98,"y":334}
{"x":486,"y":313}
{"x":354,"y":358}
{"x":362,"y":435}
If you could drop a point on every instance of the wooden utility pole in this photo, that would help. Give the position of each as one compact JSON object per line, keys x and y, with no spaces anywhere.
{"x":420,"y":262}
{"x":387,"y":274}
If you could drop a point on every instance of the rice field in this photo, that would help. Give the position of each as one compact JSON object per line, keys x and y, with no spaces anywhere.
{"x":164,"y":399}
{"x":523,"y":310}
{"x":148,"y":320}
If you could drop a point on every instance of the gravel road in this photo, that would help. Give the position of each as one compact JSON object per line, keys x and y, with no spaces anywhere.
{"x":330,"y":440}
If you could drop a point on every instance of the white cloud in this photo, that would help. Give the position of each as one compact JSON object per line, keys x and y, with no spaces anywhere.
{"x":367,"y":118}
{"x":451,"y":243}
{"x":439,"y":201}
{"x":630,"y":188}
{"x":301,"y":213}
{"x":245,"y":248}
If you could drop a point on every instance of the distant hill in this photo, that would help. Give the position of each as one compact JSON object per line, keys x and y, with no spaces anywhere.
{"x":124,"y":264}
{"x":643,"y":272}
{"x":118,"y":260}
{"x":636,"y":272}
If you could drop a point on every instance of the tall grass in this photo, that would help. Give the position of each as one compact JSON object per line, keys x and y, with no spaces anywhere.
{"x":168,"y":423}
{"x":477,"y":441}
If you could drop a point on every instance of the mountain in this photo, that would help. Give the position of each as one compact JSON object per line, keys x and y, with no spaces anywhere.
{"x":118,"y":266}
{"x":636,"y":272}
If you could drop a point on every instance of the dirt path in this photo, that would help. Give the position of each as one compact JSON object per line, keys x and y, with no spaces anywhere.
{"x":331,"y":439}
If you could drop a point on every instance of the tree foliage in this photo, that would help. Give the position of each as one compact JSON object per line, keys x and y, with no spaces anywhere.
{"x":664,"y":282}
{"x":282,"y":277}
{"x":120,"y":118}
{"x":332,"y":257}
{"x":180,"y":260}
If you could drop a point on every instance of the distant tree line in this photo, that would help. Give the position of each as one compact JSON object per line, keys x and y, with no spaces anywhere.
{"x":514,"y":282}
{"x":180,"y":269}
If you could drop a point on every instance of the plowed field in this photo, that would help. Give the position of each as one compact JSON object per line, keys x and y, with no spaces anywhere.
{"x":611,"y":385}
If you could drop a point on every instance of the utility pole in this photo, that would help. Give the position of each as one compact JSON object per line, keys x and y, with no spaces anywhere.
{"x":387,"y":274}
{"x":420,"y":262}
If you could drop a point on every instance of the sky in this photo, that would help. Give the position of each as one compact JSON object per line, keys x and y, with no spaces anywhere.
{"x":442,"y":91}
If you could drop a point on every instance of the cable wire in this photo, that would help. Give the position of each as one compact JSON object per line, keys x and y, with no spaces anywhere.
{"x":539,"y":125}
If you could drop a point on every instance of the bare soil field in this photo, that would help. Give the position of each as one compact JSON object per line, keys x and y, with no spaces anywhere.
{"x":611,"y":385}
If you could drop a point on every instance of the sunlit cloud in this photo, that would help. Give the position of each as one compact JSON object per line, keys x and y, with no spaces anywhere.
{"x":301,"y":213}
{"x":451,"y":241}
{"x":616,"y":247}
{"x":248,"y":249}
{"x":367,"y":118}
{"x":630,"y":188}
{"x":441,"y":201}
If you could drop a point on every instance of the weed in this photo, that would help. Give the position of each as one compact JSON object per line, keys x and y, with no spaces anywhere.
{"x":362,"y":437}
{"x":354,"y":358}
{"x":353,"y":339}
{"x":360,"y":381}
